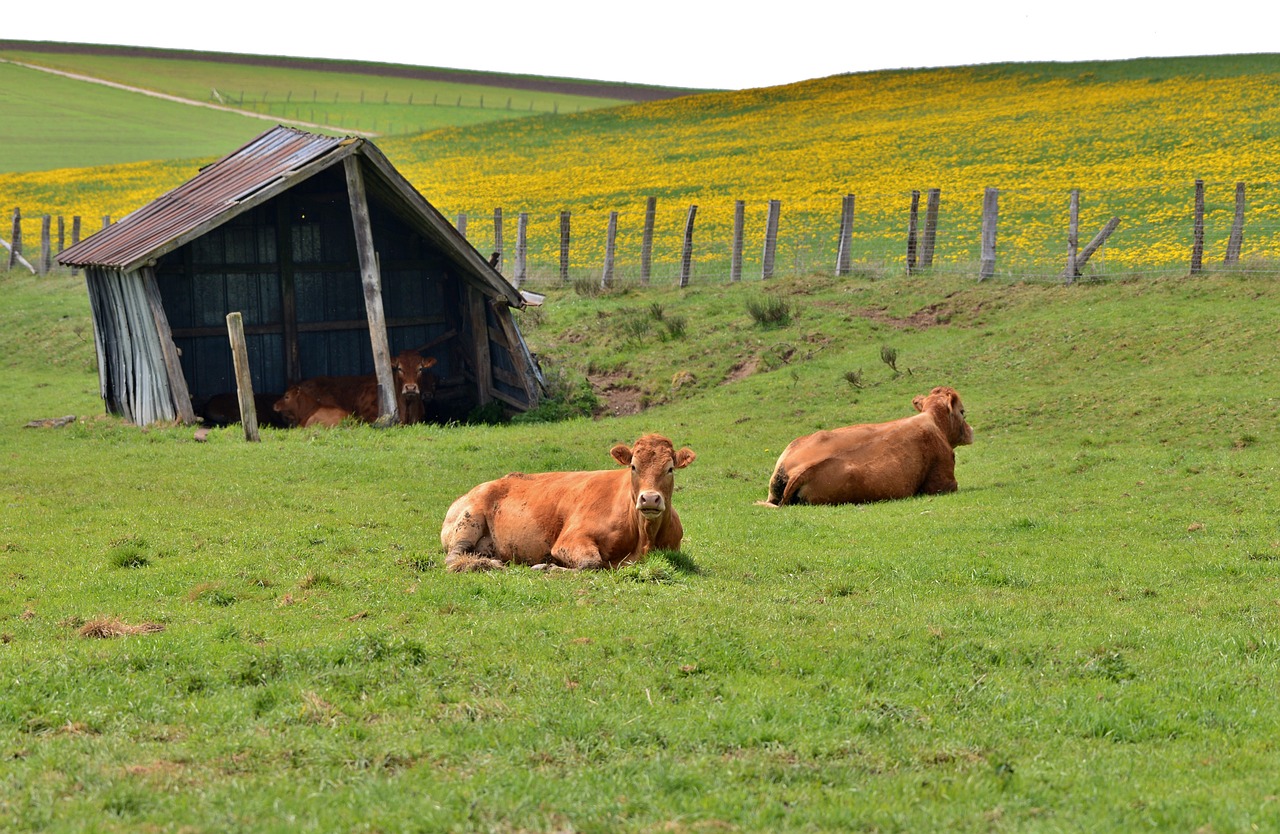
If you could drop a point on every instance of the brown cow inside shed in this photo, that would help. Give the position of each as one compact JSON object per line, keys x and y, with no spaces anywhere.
{"x":358,"y":395}
{"x":573,"y":520}
{"x":878,"y":461}
{"x":299,"y":408}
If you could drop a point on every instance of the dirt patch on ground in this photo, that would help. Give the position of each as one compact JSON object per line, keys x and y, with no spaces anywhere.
{"x":618,"y":395}
{"x":933,"y":315}
{"x":743,"y":369}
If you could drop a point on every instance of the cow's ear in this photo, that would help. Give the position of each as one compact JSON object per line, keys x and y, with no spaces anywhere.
{"x":622,"y":454}
{"x":430,"y":361}
{"x":918,"y":403}
{"x":684,"y":457}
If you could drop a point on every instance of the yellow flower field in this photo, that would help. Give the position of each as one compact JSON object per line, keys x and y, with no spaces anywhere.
{"x":1133,"y":146}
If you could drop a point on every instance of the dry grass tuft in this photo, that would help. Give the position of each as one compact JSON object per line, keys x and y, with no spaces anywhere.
{"x":115,"y":627}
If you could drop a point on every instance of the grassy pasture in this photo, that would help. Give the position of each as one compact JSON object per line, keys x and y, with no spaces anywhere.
{"x":1083,"y":638}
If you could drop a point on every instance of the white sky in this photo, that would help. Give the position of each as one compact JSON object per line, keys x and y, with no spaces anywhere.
{"x":671,"y":42}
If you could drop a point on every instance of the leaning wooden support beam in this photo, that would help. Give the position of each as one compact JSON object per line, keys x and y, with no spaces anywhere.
{"x":372,"y":279}
{"x":168,"y":350}
{"x":1094,"y":245}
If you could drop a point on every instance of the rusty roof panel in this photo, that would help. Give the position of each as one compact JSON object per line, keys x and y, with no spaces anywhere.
{"x":218,"y":188}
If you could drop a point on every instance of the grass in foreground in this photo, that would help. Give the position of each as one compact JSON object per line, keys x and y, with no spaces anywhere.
{"x":1082,"y":638}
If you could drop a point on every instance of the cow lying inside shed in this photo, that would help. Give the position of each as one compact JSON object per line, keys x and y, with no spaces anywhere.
{"x":876,"y":462}
{"x":358,"y":395}
{"x":574,"y":520}
{"x":298,"y":408}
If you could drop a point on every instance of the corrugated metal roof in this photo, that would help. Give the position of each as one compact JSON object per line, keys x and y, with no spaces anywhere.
{"x":162,"y":224}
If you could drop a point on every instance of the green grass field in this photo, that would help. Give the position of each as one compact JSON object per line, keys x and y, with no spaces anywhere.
{"x":1084,"y":638}
{"x":55,"y":122}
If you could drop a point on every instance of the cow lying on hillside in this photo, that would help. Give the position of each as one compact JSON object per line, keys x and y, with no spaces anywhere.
{"x":358,"y":395}
{"x":875,"y":462}
{"x":575,"y":520}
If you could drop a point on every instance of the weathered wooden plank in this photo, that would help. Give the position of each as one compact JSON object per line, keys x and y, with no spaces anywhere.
{"x":1073,"y":237}
{"x":372,"y":280}
{"x":564,"y":247}
{"x":168,"y":350}
{"x":646,"y":241}
{"x":244,"y":380}
{"x":912,"y":226}
{"x":990,"y":219}
{"x":739,"y":232}
{"x":480,"y":345}
{"x":1237,"y":229}
{"x":844,"y":255}
{"x":1197,"y":231}
{"x":686,"y":252}
{"x":610,"y":242}
{"x":927,"y":245}
{"x":770,"y":239}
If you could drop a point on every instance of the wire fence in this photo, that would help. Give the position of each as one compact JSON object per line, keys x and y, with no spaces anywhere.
{"x":1156,"y":233}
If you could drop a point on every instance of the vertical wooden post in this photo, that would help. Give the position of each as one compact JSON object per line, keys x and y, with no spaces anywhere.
{"x":1073,"y":236}
{"x":564,"y":247}
{"x":462,"y":223}
{"x":106,"y":220}
{"x":686,"y":253}
{"x":371,"y":277}
{"x":497,"y":238}
{"x":1197,"y":232}
{"x":244,"y":379}
{"x":912,"y":243}
{"x":15,"y":238}
{"x":479,"y":319}
{"x":46,"y":245}
{"x":646,"y":244}
{"x":522,"y":249}
{"x":62,"y":234}
{"x":932,"y":204}
{"x":770,"y":239}
{"x":990,"y":216}
{"x":610,"y":240}
{"x":75,"y":229}
{"x":739,"y":230}
{"x":169,"y":351}
{"x":1237,"y":229}
{"x":844,"y":254}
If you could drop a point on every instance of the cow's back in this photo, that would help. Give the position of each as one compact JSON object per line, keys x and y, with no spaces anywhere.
{"x":518,"y":518}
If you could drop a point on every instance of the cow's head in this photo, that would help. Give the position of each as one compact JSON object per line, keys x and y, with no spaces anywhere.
{"x":653,"y":461}
{"x":408,"y":368}
{"x":293,"y":405}
{"x":948,"y":412}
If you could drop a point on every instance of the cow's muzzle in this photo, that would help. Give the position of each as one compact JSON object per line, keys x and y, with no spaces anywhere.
{"x":651,"y":504}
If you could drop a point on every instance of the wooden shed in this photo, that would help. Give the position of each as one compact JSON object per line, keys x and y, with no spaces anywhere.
{"x":335,"y":262}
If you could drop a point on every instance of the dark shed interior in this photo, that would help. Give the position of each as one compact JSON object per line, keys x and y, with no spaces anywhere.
{"x":290,"y":264}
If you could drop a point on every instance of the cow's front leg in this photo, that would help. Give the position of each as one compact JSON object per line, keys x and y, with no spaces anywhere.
{"x":572,"y":554}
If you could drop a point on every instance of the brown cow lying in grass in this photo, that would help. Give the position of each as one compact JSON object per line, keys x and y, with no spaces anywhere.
{"x":301,"y":409}
{"x":358,"y":395}
{"x":574,"y":520}
{"x":875,"y":462}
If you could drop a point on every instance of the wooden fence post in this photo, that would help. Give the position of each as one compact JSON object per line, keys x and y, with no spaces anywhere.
{"x":770,"y":239}
{"x":497,"y":238}
{"x":686,"y":253}
{"x":75,"y":229}
{"x":106,"y":220}
{"x":564,"y":247}
{"x":739,"y":225}
{"x":912,"y":222}
{"x":1197,"y":231}
{"x":62,"y":234}
{"x":244,"y":380}
{"x":844,"y":257}
{"x":462,"y":223}
{"x":646,"y":244}
{"x":46,"y":245}
{"x":932,"y":204}
{"x":1073,"y":236}
{"x":610,"y":240}
{"x":990,"y":215}
{"x":1237,"y":229}
{"x":522,"y":230}
{"x":1100,"y":238}
{"x":15,"y":238}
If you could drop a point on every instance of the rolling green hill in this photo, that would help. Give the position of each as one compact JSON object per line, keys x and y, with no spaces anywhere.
{"x":58,"y":122}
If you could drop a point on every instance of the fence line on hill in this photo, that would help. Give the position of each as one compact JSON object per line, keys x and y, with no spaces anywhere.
{"x":1008,"y":233}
